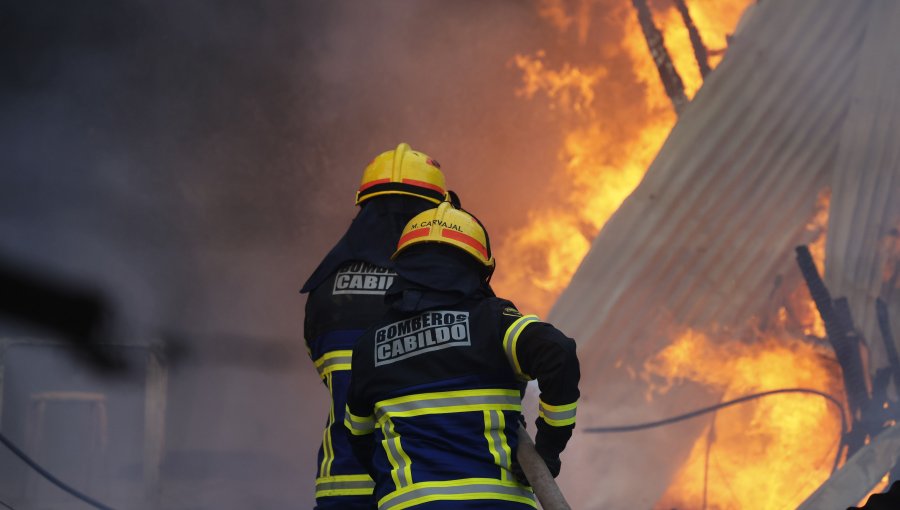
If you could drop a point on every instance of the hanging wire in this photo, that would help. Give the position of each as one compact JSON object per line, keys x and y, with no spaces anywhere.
{"x":704,"y":410}
{"x":49,"y":476}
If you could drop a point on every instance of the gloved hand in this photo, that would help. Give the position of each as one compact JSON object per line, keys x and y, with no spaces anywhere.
{"x":551,"y":458}
{"x":549,"y":442}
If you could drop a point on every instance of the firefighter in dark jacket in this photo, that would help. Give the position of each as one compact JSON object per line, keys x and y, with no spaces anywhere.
{"x":346,"y":295}
{"x":435,"y":397}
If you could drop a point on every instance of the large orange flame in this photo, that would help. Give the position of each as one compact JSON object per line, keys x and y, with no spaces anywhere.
{"x":768,"y":454}
{"x":603,"y":157}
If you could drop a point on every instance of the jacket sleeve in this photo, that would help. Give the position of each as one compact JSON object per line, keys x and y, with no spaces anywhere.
{"x":359,"y":419}
{"x":537,"y":350}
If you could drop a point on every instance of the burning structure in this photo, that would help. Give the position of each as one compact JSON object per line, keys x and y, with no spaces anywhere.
{"x":689,"y":296}
{"x":691,"y":286}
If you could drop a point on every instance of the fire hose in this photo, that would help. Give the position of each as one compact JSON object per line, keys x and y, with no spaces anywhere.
{"x":538,"y":475}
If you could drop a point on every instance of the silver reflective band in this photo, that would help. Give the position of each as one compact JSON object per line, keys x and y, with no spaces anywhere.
{"x":478,"y":491}
{"x":345,"y":485}
{"x":392,"y":441}
{"x":462,"y":403}
{"x":553,"y":415}
{"x":495,"y":423}
{"x":358,"y":425}
{"x":324,"y":365}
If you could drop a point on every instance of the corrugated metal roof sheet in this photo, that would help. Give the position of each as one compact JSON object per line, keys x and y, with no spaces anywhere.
{"x":709,"y":233}
{"x":863,"y":245}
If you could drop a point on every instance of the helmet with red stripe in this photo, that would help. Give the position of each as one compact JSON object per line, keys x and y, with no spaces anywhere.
{"x":448,"y":225}
{"x":403,"y":171}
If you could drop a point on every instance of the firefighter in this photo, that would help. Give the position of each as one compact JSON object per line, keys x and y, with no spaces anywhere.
{"x":346,"y":295}
{"x":435,"y":397}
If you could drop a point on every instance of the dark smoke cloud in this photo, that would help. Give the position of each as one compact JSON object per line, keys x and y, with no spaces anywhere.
{"x":194,"y":160}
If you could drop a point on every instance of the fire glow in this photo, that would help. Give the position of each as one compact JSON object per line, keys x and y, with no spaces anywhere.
{"x":604,"y":155}
{"x":758,"y":455}
{"x":769,"y":453}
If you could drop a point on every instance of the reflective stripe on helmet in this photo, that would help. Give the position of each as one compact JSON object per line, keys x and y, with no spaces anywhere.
{"x":373,"y":183}
{"x":423,"y":184}
{"x":469,"y":240}
{"x":413,"y":234}
{"x":399,"y":188}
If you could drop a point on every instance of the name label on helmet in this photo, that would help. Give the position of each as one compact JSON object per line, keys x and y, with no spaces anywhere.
{"x":428,"y":332}
{"x":440,"y":223}
{"x":362,"y":278}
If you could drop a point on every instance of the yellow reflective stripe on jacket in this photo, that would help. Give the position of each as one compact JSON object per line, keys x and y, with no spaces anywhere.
{"x":558,"y":416}
{"x":327,"y":447}
{"x":334,"y":360}
{"x":511,"y":337}
{"x":457,"y":490}
{"x":402,"y":465}
{"x":448,"y":402}
{"x":494,"y":425}
{"x":344,"y":485}
{"x":358,"y":425}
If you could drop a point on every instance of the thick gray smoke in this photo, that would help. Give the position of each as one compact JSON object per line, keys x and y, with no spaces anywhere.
{"x":194,"y":161}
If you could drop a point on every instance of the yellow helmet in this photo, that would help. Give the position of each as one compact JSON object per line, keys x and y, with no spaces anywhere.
{"x":445,"y":224}
{"x":403,"y":171}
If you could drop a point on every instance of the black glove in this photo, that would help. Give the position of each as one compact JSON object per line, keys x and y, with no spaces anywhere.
{"x":549,"y":442}
{"x":551,"y":459}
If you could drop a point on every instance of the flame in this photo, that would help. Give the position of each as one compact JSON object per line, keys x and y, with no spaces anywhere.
{"x":880,"y":487}
{"x":604,"y":155}
{"x":613,"y":116}
{"x":760,"y":454}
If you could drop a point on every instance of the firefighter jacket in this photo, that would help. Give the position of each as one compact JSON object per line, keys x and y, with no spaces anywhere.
{"x":435,"y":402}
{"x":337,"y":312}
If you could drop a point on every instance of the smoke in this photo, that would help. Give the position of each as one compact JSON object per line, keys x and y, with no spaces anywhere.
{"x":194,"y":161}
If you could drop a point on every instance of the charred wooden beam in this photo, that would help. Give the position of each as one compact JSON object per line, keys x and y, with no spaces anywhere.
{"x":852,"y":343}
{"x":667,"y":72}
{"x":700,"y":52}
{"x":857,"y":395}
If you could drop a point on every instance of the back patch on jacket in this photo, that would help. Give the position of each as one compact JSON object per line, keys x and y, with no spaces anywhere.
{"x":362,"y":278}
{"x":427,"y":332}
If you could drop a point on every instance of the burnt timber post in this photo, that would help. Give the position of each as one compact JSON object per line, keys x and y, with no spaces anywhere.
{"x":667,"y":72}
{"x":845,"y":344}
{"x":700,"y":52}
